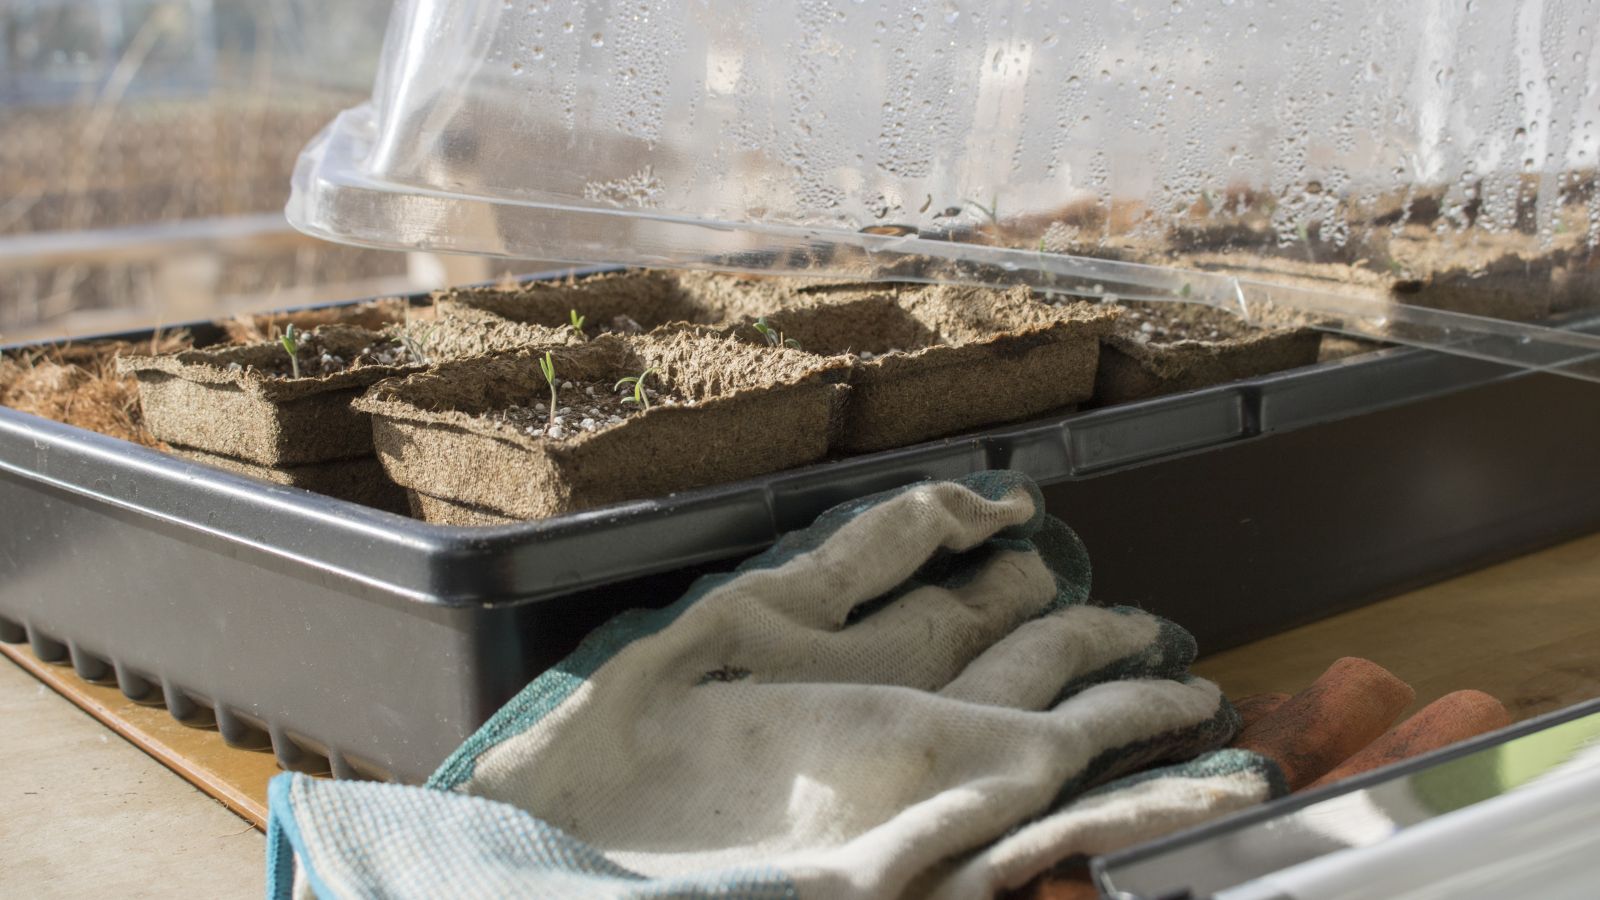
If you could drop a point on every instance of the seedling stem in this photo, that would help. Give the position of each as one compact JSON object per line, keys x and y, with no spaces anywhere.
{"x":639,"y":396}
{"x":291,"y":346}
{"x":992,"y":211}
{"x":547,"y":366}
{"x":774,"y":337}
{"x":416,"y":344}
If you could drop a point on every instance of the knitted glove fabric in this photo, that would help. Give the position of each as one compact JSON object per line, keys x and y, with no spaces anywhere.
{"x":849,"y":714}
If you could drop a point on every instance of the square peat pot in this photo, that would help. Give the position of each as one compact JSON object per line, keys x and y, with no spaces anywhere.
{"x":371,"y":644}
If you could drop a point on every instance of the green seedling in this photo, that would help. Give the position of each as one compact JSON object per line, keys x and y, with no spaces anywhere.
{"x":291,"y":346}
{"x":992,"y":211}
{"x":547,"y":367}
{"x":639,"y":398}
{"x":575,"y":322}
{"x":773,"y":336}
{"x":416,"y":345}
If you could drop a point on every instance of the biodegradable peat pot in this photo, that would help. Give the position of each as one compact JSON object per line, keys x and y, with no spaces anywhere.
{"x":242,"y":401}
{"x":934,"y":361}
{"x":480,"y":320}
{"x":446,"y":512}
{"x":722,"y":411}
{"x":359,"y":480}
{"x":1169,"y":347}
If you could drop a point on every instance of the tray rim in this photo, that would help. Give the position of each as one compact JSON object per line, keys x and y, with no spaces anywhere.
{"x":448,"y":566}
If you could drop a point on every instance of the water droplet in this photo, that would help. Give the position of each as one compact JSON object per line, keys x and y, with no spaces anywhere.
{"x":951,"y":12}
{"x":597,"y":40}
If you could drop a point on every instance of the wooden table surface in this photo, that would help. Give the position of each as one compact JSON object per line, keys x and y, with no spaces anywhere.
{"x":1526,"y":631}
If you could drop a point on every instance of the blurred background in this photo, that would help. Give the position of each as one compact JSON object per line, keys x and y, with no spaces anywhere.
{"x":145,"y":154}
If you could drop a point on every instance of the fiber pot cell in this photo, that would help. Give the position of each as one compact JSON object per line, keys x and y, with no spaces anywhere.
{"x":1164,"y":348}
{"x":244,"y":402}
{"x":476,"y":321}
{"x":446,"y":512}
{"x":721,"y":411}
{"x":360,"y":480}
{"x":372,"y":315}
{"x":934,"y":361}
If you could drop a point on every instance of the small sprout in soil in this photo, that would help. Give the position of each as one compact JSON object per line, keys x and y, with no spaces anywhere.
{"x":291,"y":346}
{"x":416,"y":345}
{"x":992,"y":211}
{"x":547,"y":366}
{"x":639,"y":397}
{"x":575,"y":322}
{"x":774,"y":337}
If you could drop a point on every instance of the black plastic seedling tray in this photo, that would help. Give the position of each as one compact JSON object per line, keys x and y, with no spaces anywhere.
{"x":371,"y":644}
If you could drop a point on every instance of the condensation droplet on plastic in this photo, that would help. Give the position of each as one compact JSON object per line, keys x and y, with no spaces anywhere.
{"x":597,"y":40}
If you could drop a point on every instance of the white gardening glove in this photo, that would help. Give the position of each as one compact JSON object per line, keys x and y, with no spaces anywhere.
{"x":846,"y":715}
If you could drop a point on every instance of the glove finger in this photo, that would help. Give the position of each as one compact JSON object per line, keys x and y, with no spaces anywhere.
{"x":1451,"y":718}
{"x":1138,"y":808}
{"x":1032,"y":666}
{"x":851,"y":555}
{"x":1256,"y":707}
{"x":925,"y":637}
{"x":1138,"y":723}
{"x":1344,"y":710}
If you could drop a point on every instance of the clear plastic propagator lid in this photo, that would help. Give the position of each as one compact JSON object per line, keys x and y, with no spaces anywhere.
{"x":1421,"y":171}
